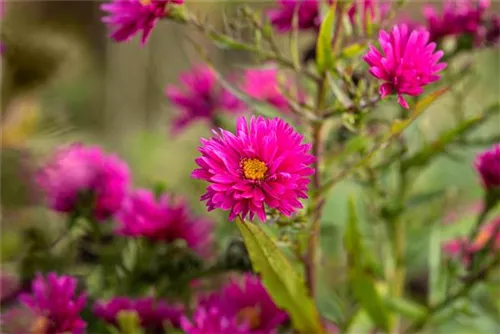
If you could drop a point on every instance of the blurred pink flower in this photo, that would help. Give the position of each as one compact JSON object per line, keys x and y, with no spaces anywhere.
{"x":53,"y":299}
{"x":487,"y":165}
{"x":152,"y":314}
{"x":212,"y":321}
{"x":492,"y":35}
{"x":408,"y":63}
{"x":458,"y":17}
{"x":164,"y":219}
{"x":368,"y":11}
{"x":128,"y":17}
{"x":77,"y":171}
{"x":265,"y":85}
{"x":247,"y":301}
{"x":489,"y":232}
{"x":263,"y":164}
{"x":307,"y":11}
{"x":201,"y":97}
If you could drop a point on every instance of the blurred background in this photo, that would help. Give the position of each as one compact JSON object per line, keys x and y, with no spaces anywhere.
{"x":64,"y":80}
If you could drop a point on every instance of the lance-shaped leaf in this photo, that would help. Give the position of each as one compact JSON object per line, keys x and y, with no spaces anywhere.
{"x":360,"y":274}
{"x":324,"y":55}
{"x":284,"y":284}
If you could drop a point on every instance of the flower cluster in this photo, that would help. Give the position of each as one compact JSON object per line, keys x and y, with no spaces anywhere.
{"x":457,"y":18}
{"x":408,"y":63}
{"x":307,"y":15}
{"x":84,"y":178}
{"x":200,"y":98}
{"x":128,"y":17}
{"x":153,"y":314}
{"x":263,"y":164}
{"x":242,"y":305}
{"x":54,"y":301}
{"x":164,"y":219}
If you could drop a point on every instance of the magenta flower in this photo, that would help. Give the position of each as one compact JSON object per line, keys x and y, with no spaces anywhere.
{"x":248,"y":302}
{"x":263,"y":164}
{"x":263,"y":85}
{"x":201,"y":97}
{"x":152,"y":314}
{"x":408,"y":64}
{"x":364,"y":11}
{"x":165,"y":219}
{"x":307,"y":10}
{"x":457,"y":18}
{"x":492,"y":35}
{"x":487,"y":165}
{"x":212,"y":321}
{"x":82,"y":177}
{"x":489,"y":234}
{"x":54,"y":301}
{"x":128,"y":17}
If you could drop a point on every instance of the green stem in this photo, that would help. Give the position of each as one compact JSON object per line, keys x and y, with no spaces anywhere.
{"x":470,"y":283}
{"x":316,"y":202}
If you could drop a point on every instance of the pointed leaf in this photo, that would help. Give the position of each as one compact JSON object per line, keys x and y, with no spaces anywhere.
{"x":360,"y":277}
{"x":324,"y":55}
{"x":284,"y":284}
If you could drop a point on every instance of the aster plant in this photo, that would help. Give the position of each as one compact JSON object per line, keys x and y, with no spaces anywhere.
{"x":287,"y":131}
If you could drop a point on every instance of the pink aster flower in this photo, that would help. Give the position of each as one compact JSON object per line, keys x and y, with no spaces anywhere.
{"x":247,"y":301}
{"x":364,"y":11}
{"x":80,"y":176}
{"x":212,"y":321}
{"x":128,"y":17}
{"x":408,"y":64}
{"x":152,"y":314}
{"x":53,"y":299}
{"x":264,"y":164}
{"x":459,"y":17}
{"x":307,"y":10}
{"x":487,"y":165}
{"x":264,"y":85}
{"x":165,"y":219}
{"x":201,"y":97}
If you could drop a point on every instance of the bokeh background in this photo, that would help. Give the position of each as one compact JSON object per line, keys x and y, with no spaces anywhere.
{"x":63,"y":80}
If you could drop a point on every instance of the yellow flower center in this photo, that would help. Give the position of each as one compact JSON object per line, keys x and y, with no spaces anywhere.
{"x":145,"y":2}
{"x":40,"y":326}
{"x":254,"y":169}
{"x":249,"y":315}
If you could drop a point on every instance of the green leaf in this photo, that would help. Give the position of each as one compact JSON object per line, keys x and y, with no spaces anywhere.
{"x":129,"y":323}
{"x":360,"y":277}
{"x":436,"y":272}
{"x":406,"y":308}
{"x":324,"y":55}
{"x":284,"y":284}
{"x":399,"y":125}
{"x":353,"y":50}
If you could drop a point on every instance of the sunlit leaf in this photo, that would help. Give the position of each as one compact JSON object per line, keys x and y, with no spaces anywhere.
{"x":324,"y":55}
{"x":284,"y":284}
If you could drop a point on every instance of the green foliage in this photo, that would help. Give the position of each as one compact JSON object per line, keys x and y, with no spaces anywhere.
{"x":360,"y":272}
{"x":324,"y":56}
{"x":281,"y":280}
